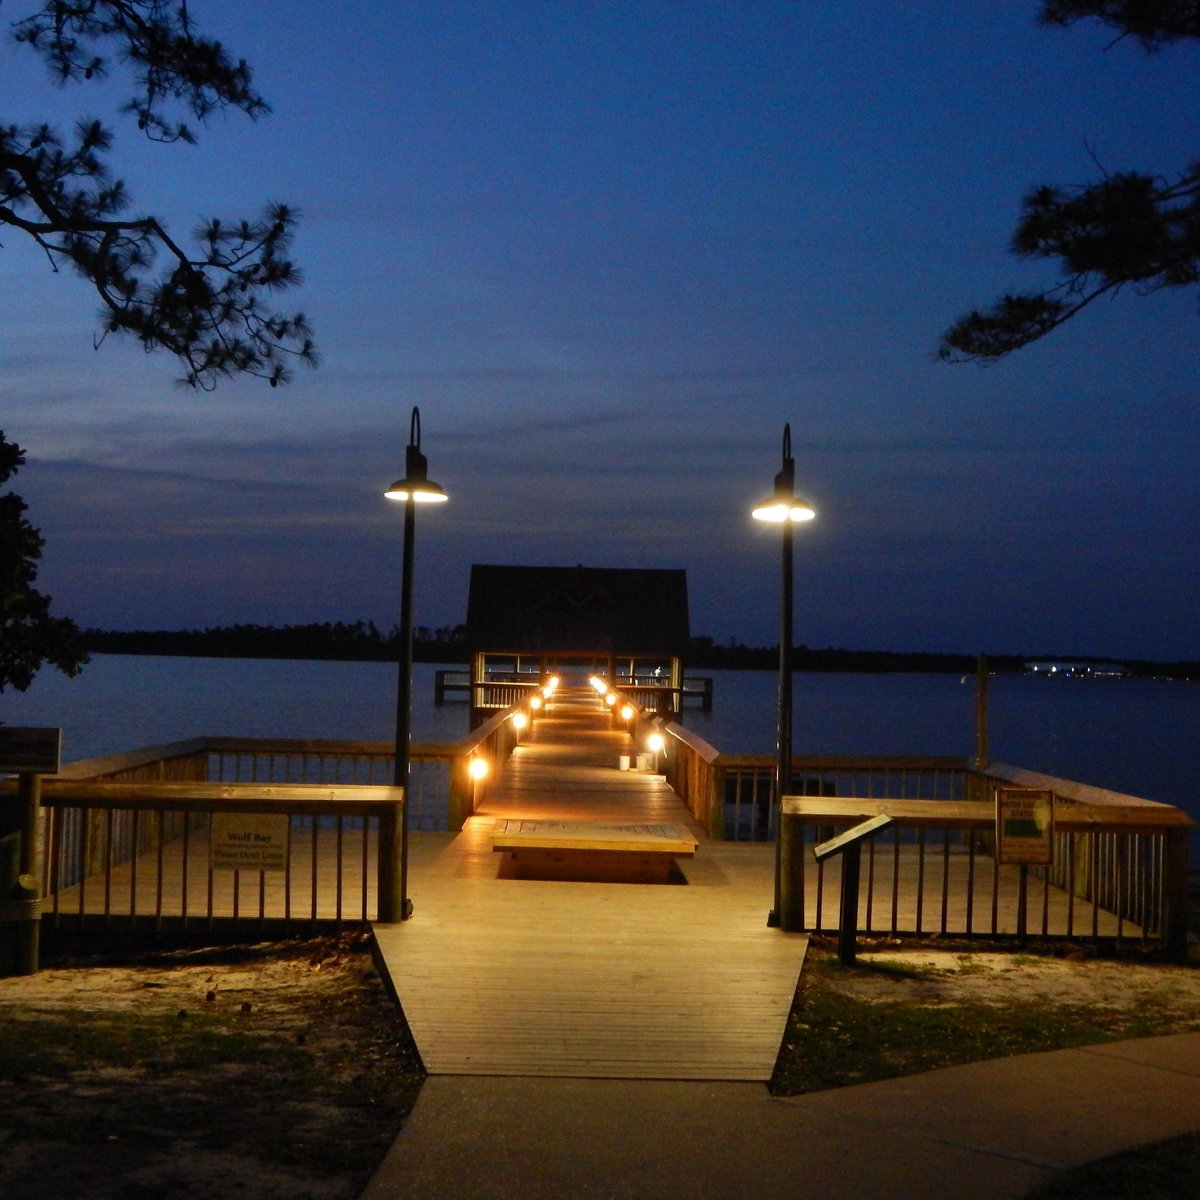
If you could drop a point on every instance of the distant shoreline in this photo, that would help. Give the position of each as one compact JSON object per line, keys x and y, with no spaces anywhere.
{"x":364,"y":642}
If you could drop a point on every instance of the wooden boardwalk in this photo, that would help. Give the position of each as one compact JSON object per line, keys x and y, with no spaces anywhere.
{"x":502,"y":973}
{"x":514,"y":976}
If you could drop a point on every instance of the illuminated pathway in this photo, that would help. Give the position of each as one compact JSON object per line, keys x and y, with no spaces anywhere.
{"x":506,"y":976}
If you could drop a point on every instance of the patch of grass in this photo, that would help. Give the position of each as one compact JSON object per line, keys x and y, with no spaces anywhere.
{"x":897,"y":969}
{"x":833,"y":1039}
{"x":1167,"y":1170}
{"x":51,"y":1046}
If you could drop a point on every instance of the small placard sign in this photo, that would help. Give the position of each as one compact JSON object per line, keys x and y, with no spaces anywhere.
{"x":33,"y":749}
{"x":249,"y":841}
{"x":1024,"y":825}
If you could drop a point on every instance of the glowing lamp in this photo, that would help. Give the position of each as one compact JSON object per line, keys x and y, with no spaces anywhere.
{"x":416,"y":484}
{"x":781,"y":509}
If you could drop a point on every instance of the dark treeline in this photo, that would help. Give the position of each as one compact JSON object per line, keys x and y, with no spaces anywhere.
{"x":703,"y":652}
{"x":360,"y":641}
{"x":363,"y":641}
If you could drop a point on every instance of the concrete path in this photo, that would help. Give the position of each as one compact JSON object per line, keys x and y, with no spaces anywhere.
{"x":986,"y":1131}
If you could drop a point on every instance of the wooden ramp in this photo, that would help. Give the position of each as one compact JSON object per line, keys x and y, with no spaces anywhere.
{"x":516,"y":976}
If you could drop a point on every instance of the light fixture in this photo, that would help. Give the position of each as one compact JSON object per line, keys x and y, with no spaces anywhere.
{"x":416,"y":484}
{"x":415,"y":488}
{"x":784,"y":508}
{"x":477,"y":768}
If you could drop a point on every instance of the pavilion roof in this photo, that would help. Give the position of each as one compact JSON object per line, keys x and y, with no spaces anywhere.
{"x":578,"y":610}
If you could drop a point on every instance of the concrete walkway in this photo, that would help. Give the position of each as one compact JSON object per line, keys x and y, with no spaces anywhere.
{"x":986,"y":1131}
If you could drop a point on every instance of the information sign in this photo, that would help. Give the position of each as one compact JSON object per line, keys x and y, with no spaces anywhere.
{"x":32,"y":749}
{"x":249,"y":841}
{"x":1024,"y":825}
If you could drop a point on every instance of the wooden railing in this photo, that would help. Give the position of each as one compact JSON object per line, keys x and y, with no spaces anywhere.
{"x":1119,"y":870}
{"x":126,"y":840}
{"x":500,"y":691}
{"x":1119,"y":867}
{"x":131,"y":854}
{"x":732,"y":795}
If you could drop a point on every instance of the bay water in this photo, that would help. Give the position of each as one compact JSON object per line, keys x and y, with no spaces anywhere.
{"x":1138,"y":736}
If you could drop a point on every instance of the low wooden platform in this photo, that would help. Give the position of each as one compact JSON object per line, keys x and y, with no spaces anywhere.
{"x":576,"y":850}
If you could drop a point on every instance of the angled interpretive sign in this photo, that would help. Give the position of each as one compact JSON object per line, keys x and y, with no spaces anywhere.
{"x":1024,"y":825}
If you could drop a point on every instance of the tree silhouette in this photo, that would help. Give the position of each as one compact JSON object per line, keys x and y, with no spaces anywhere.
{"x":29,"y":636}
{"x":1128,"y":229}
{"x":207,"y":305}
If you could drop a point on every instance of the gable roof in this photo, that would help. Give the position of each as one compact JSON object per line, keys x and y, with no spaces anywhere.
{"x":577,"y":610}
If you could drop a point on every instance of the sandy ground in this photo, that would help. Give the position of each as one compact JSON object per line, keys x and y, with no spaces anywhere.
{"x":279,"y":1071}
{"x":306,"y":1121}
{"x":1119,"y":984}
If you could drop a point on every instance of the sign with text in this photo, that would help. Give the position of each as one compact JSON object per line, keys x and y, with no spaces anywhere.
{"x":1024,"y":825}
{"x":249,"y":842}
{"x":31,"y":749}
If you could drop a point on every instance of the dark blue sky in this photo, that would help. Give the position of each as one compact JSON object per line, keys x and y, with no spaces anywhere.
{"x":609,"y":249}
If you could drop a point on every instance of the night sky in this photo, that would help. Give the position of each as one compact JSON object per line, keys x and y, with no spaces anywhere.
{"x":610,"y":249}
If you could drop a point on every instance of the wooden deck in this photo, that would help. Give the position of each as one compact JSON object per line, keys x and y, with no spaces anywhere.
{"x":498,"y":974}
{"x":507,"y":976}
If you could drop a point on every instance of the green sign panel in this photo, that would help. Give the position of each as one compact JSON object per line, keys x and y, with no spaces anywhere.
{"x":1024,"y":825}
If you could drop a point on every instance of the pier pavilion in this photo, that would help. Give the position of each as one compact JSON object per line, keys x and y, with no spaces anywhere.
{"x":524,"y":622}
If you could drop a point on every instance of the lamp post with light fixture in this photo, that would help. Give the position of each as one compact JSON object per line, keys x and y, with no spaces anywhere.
{"x":783,"y":507}
{"x":415,"y":488}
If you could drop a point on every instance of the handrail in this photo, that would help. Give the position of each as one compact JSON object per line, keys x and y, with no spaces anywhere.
{"x":1129,"y":859}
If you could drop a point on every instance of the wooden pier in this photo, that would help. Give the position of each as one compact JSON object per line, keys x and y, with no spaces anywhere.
{"x":501,"y":974}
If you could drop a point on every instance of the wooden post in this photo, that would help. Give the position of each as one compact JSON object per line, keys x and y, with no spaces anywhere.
{"x":24,"y":901}
{"x":1175,"y":887}
{"x":389,"y":900}
{"x":1022,"y":904}
{"x":715,"y":801}
{"x":981,"y":713}
{"x":791,"y":877}
{"x":461,"y":794}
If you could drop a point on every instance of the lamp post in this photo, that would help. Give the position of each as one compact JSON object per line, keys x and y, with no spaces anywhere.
{"x":783,"y":507}
{"x":415,"y":488}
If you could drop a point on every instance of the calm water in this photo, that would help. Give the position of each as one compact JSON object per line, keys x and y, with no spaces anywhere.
{"x":1134,"y":736}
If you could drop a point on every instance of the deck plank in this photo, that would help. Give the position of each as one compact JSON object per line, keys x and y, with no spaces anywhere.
{"x":502,"y":976}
